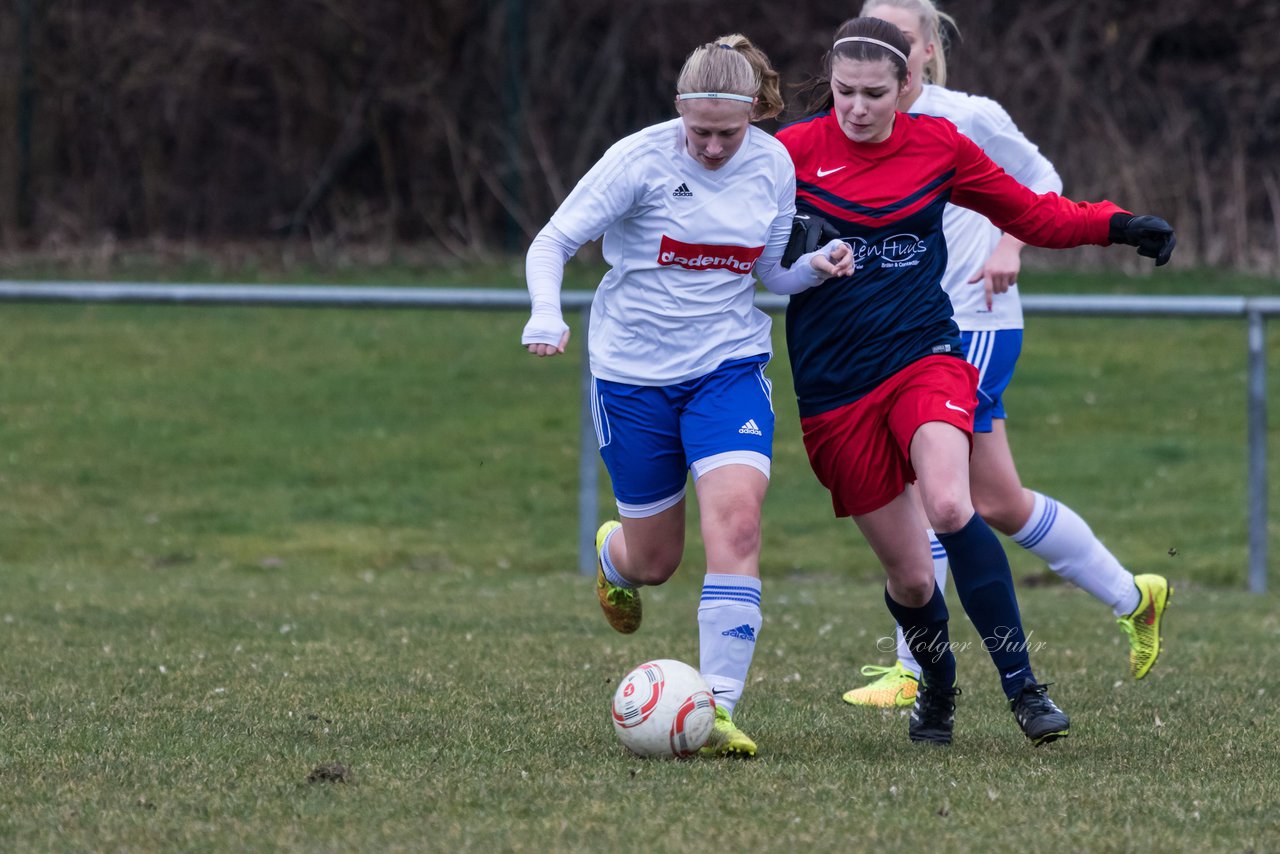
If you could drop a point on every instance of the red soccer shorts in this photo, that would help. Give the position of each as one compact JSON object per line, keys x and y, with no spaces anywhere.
{"x":861,"y":451}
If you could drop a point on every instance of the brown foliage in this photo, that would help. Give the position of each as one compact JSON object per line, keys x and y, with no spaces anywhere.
{"x":462,"y":123}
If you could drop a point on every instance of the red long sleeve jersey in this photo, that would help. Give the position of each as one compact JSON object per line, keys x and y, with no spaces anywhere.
{"x":849,"y":334}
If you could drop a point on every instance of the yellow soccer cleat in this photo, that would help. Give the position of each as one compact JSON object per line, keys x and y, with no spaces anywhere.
{"x":621,"y":605}
{"x":896,"y":688}
{"x":727,"y":740}
{"x":1143,"y":625}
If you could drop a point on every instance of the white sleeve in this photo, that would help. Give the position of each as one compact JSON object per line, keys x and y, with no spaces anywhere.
{"x":997,"y":135}
{"x":606,"y":194}
{"x":769,"y":270}
{"x":603,"y":196}
{"x":800,"y":276}
{"x":543,"y":273}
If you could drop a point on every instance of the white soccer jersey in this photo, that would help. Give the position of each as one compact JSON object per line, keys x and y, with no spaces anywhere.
{"x":681,"y":241}
{"x":970,"y":236}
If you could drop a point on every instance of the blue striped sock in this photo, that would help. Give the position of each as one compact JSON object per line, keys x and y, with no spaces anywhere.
{"x":1057,"y":535}
{"x":728,"y":622}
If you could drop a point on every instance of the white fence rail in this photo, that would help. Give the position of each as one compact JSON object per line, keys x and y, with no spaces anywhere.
{"x":1254,"y":310}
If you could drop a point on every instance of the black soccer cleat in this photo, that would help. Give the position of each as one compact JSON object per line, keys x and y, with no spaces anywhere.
{"x":1040,"y":719}
{"x":933,"y":717}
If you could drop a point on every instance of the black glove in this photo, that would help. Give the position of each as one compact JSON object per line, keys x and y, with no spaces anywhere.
{"x":808,"y":232}
{"x":1151,"y":234}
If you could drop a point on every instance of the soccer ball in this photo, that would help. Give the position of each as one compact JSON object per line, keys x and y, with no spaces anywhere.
{"x":663,"y":708}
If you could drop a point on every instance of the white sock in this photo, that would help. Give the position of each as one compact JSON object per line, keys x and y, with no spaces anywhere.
{"x":1059,"y":537}
{"x":728,"y":622}
{"x":611,"y":571}
{"x":940,"y":575}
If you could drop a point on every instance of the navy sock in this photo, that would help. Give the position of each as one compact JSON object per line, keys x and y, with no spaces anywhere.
{"x":984,"y":583}
{"x":925,"y":630}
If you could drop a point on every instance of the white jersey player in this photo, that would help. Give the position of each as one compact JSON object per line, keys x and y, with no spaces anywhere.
{"x":689,"y":210}
{"x":981,"y":279}
{"x":971,"y":238}
{"x":681,"y":242}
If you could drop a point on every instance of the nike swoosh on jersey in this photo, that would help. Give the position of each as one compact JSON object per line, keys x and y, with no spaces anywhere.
{"x":950,"y":405}
{"x":822,"y":173}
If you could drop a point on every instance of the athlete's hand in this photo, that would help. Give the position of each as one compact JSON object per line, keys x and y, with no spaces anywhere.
{"x":549,"y":349}
{"x":545,"y":335}
{"x":1152,"y":235}
{"x":1000,"y":272}
{"x":808,"y":231}
{"x":835,"y":259}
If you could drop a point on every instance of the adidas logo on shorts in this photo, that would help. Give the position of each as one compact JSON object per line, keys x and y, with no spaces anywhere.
{"x":751,"y":427}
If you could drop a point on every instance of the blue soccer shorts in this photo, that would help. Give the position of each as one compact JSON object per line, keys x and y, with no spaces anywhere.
{"x":994,"y":354}
{"x":651,"y":437}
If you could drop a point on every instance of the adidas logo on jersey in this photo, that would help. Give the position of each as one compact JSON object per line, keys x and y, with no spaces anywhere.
{"x":751,"y":427}
{"x":742,"y":632}
{"x":682,"y":190}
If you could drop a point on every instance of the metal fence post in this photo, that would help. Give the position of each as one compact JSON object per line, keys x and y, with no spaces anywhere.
{"x":588,"y":471}
{"x":1257,"y":453}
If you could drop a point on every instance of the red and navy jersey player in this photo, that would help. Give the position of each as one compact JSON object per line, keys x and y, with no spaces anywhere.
{"x":887,"y":199}
{"x":886,"y":397}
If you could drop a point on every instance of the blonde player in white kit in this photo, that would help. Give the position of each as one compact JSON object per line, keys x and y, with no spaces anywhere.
{"x":981,"y":279}
{"x":689,"y":210}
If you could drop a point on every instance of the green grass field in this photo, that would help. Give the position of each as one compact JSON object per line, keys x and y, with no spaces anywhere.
{"x":239,"y":546}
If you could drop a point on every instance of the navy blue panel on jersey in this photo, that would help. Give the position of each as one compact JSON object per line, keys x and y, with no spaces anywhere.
{"x":901,"y":312}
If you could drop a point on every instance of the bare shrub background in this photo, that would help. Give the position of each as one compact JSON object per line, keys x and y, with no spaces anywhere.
{"x":460,"y":124}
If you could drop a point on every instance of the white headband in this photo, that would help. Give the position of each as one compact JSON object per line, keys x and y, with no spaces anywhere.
{"x":716,"y":96}
{"x":884,"y":45}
